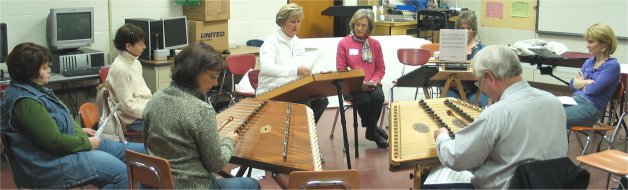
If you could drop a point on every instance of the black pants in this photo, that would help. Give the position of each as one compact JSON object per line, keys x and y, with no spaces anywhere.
{"x":318,"y":106}
{"x":369,"y":105}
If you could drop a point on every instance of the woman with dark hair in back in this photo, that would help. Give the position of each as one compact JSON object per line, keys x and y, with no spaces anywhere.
{"x":180,"y":125}
{"x":50,"y":150}
{"x":468,"y":20}
{"x":359,"y":51}
{"x":125,"y":81}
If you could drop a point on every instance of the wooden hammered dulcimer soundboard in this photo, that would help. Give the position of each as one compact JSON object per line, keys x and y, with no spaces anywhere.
{"x":412,"y":126}
{"x":274,"y":136}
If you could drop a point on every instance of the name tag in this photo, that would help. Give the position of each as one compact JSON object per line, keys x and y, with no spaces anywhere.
{"x":353,"y":51}
{"x":298,"y":51}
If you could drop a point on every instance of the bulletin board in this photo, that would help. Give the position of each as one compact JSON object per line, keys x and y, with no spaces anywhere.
{"x":516,"y":14}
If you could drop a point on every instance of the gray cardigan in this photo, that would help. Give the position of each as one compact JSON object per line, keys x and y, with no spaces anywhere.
{"x":180,"y":126}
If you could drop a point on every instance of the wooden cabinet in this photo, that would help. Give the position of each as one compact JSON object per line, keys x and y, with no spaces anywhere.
{"x":388,"y":28}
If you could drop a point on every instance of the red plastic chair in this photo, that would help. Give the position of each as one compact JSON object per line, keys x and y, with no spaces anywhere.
{"x":411,"y":57}
{"x":253,"y":78}
{"x":239,"y":65}
{"x":432,"y":47}
{"x":103,"y":72}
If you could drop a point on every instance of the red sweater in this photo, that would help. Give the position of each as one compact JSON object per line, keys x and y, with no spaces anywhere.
{"x":349,"y":55}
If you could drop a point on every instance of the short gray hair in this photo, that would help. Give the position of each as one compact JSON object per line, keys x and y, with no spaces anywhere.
{"x":500,"y":60}
{"x":363,"y":13}
{"x":288,"y":11}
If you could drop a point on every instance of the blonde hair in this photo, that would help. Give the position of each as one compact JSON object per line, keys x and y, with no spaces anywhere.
{"x":288,"y":11}
{"x":604,"y":34}
{"x":363,"y":13}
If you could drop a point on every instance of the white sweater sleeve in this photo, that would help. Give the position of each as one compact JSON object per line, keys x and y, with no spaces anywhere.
{"x":270,"y":62}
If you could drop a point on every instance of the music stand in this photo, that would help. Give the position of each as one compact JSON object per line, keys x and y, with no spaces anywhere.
{"x":322,"y":85}
{"x":544,"y":56}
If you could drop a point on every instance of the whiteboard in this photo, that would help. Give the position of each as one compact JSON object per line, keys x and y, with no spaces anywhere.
{"x":573,"y":17}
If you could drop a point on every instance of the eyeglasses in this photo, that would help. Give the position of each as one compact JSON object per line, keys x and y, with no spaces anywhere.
{"x":360,"y":25}
{"x":478,"y":84}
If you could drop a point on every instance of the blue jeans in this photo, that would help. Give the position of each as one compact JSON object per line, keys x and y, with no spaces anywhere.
{"x":482,"y":102}
{"x":136,"y":126}
{"x":584,"y":114}
{"x":109,"y":162}
{"x":234,"y":183}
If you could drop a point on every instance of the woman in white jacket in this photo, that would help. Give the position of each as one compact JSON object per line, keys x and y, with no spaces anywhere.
{"x":282,"y":57}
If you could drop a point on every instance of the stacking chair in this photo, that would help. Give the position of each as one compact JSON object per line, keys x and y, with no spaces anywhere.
{"x":89,"y":115}
{"x":103,"y":72}
{"x":8,"y":156}
{"x":239,"y":65}
{"x":253,"y":78}
{"x":347,"y":105}
{"x":432,"y":47}
{"x":411,"y":57}
{"x":148,"y":170}
{"x":327,"y":179}
{"x":612,"y":161}
{"x":602,"y":128}
{"x":255,"y":42}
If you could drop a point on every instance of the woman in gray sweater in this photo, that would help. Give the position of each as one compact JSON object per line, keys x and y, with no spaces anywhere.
{"x":180,"y":125}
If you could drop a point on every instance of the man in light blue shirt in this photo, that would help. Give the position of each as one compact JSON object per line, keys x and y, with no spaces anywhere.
{"x":525,"y":124}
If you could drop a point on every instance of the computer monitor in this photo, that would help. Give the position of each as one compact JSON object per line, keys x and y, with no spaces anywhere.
{"x":70,"y":28}
{"x":175,"y":33}
{"x":3,"y":42}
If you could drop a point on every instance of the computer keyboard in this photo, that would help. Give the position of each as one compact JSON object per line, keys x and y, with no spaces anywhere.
{"x":81,"y":71}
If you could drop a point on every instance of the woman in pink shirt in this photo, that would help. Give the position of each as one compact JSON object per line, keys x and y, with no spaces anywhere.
{"x":359,"y":51}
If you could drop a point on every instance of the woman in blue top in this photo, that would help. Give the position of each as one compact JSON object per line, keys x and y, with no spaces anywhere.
{"x":50,"y":150}
{"x":596,"y":82}
{"x":468,"y":20}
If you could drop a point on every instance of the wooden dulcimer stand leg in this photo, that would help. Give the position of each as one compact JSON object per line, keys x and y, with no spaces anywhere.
{"x":456,"y":80}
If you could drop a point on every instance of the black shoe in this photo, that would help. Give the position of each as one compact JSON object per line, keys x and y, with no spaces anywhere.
{"x":381,"y":132}
{"x":379,"y":140}
{"x":382,"y":143}
{"x":371,"y":136}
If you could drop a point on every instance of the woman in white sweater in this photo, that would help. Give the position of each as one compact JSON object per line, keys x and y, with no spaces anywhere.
{"x":125,"y":82}
{"x":282,"y":57}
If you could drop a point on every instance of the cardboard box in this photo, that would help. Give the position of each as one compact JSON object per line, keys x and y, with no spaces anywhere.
{"x":214,"y":33}
{"x":209,"y":10}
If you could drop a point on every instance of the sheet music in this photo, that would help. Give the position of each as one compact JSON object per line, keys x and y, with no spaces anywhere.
{"x":310,"y":57}
{"x":444,"y":175}
{"x":453,"y":45}
{"x":567,"y":100}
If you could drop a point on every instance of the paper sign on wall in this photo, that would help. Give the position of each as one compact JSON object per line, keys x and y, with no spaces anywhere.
{"x":494,"y":9}
{"x":521,"y":9}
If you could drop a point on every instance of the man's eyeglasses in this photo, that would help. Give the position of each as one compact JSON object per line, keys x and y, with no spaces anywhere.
{"x":478,"y":83}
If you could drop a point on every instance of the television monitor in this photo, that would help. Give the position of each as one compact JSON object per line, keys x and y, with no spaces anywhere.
{"x":70,"y":28}
{"x":175,"y":32}
{"x":4,"y":47}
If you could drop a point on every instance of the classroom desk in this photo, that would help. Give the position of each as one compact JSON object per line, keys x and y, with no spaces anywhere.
{"x":388,"y":28}
{"x":157,"y":73}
